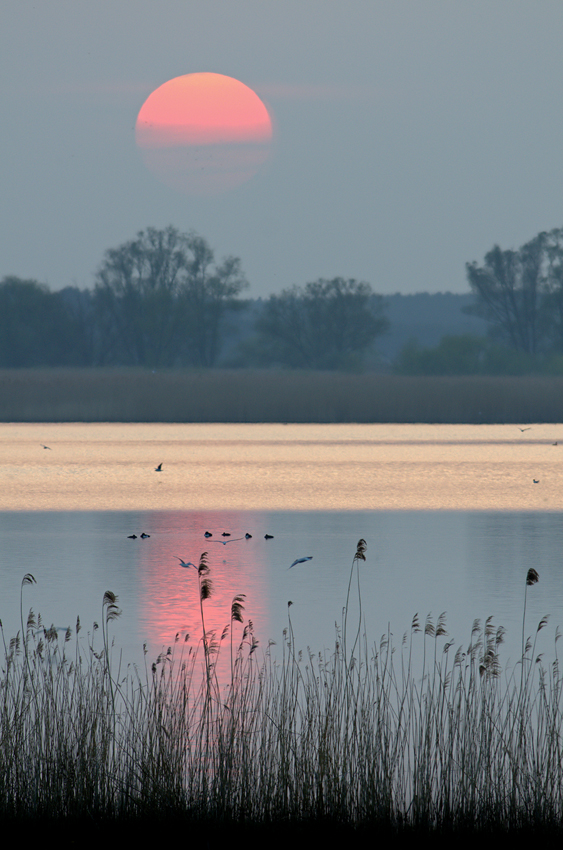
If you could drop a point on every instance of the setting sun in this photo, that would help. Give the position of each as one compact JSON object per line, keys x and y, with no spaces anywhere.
{"x":204,"y":133}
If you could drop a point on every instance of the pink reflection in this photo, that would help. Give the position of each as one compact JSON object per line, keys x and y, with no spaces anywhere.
{"x":236,"y":567}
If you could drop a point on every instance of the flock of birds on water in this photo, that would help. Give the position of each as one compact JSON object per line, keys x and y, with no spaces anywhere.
{"x":209,"y":534}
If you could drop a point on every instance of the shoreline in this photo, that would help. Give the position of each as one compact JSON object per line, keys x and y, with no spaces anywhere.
{"x":267,"y":396}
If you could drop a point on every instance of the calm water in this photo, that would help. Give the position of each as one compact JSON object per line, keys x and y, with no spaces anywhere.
{"x":451,"y":514}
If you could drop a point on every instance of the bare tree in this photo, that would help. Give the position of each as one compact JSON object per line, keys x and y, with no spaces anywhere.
{"x":553,"y":304}
{"x":207,"y":290}
{"x":327,"y":324}
{"x":521,"y":293}
{"x":510,"y":289}
{"x":160,"y":298}
{"x":37,"y":327}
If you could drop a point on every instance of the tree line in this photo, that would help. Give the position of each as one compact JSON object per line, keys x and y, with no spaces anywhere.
{"x":162,"y":300}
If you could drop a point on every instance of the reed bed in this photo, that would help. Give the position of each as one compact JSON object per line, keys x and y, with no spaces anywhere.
{"x":361,"y":734}
{"x":98,"y":395}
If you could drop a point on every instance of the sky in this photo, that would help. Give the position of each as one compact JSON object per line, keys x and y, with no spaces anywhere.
{"x":410,"y":135}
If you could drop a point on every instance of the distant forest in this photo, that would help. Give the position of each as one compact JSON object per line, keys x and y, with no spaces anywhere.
{"x":162,"y":301}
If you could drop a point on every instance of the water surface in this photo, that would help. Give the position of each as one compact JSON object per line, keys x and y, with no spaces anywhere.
{"x":452,"y":517}
{"x":281,"y":467}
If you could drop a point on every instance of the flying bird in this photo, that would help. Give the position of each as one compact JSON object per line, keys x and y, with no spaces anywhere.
{"x":144,"y":536}
{"x":300,"y":561}
{"x":248,"y":536}
{"x":158,"y":468}
{"x":224,"y":542}
{"x":268,"y":537}
{"x":131,"y":537}
{"x":186,"y":563}
{"x":525,"y":429}
{"x":46,"y":447}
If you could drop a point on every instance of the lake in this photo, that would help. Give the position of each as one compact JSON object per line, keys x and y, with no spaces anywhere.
{"x":453,"y":515}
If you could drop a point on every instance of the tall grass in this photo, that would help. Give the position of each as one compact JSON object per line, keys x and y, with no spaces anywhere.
{"x":83,"y":395}
{"x":357,"y":734}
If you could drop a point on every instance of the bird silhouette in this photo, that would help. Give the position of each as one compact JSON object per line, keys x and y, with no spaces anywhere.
{"x":268,"y":537}
{"x":185,"y":563}
{"x":248,"y":536}
{"x":300,"y":561}
{"x":131,"y":537}
{"x":158,"y":468}
{"x":208,"y":534}
{"x":224,"y":542}
{"x":144,"y":536}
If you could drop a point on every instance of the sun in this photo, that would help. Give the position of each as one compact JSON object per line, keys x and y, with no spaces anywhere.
{"x":204,"y":133}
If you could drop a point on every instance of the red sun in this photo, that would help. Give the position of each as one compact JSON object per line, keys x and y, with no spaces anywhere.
{"x":204,"y":133}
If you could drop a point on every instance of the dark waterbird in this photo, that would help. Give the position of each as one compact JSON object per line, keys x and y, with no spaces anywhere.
{"x":158,"y":468}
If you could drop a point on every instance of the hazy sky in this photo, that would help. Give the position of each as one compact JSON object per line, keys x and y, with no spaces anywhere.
{"x":412,"y":135}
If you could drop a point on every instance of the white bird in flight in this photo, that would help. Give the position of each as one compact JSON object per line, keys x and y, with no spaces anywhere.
{"x":300,"y":561}
{"x":186,"y":563}
{"x":224,"y":542}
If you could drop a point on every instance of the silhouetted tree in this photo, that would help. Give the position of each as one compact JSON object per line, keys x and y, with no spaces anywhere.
{"x":327,"y":324}
{"x":160,"y":297}
{"x":520,"y":292}
{"x":36,"y":326}
{"x":79,"y":307}
{"x":207,"y":290}
{"x":136,"y":294}
{"x":553,"y":301}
